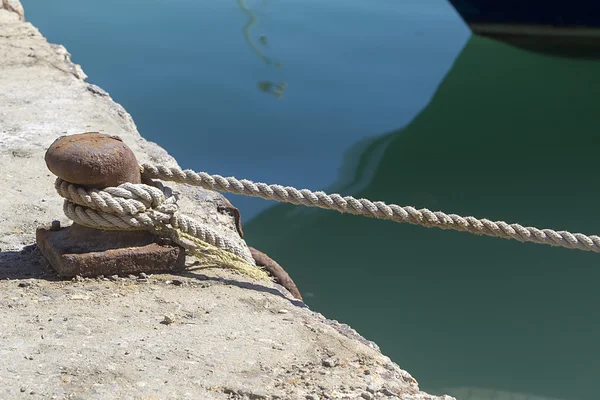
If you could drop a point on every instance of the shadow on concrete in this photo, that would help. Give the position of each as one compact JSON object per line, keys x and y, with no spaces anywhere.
{"x":24,"y":264}
{"x":276,"y":291}
{"x":29,"y":263}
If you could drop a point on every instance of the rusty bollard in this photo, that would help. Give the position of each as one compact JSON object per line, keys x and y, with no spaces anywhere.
{"x":96,"y":160}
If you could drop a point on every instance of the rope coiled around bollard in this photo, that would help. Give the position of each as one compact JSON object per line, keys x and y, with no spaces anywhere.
{"x":377,"y":209}
{"x":152,"y":207}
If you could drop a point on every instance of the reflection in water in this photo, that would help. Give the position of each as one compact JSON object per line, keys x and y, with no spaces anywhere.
{"x":509,"y":135}
{"x":272,"y":88}
{"x":359,"y":166}
{"x":275,"y":89}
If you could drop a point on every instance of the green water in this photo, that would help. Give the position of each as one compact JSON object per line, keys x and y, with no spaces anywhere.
{"x":382,"y":100}
{"x":508,"y":135}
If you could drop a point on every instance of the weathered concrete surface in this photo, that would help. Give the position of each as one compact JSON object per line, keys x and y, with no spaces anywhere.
{"x":205,"y":334}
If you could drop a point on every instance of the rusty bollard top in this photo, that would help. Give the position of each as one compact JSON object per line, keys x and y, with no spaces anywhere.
{"x":93,"y":159}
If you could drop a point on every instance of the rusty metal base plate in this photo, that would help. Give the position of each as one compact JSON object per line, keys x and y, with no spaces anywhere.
{"x":77,"y":250}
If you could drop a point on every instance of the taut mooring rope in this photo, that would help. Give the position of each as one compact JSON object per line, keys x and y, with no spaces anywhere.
{"x":377,"y":209}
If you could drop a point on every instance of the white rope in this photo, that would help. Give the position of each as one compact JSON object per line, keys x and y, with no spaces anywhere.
{"x":377,"y":209}
{"x":140,"y":207}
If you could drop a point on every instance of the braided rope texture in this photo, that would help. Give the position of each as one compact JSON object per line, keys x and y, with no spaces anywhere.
{"x":377,"y":209}
{"x":140,"y":207}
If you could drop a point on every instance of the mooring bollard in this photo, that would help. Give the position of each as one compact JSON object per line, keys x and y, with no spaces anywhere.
{"x":97,"y":161}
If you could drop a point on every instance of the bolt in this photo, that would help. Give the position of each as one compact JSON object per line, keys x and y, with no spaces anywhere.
{"x":55,"y":225}
{"x":93,"y":159}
